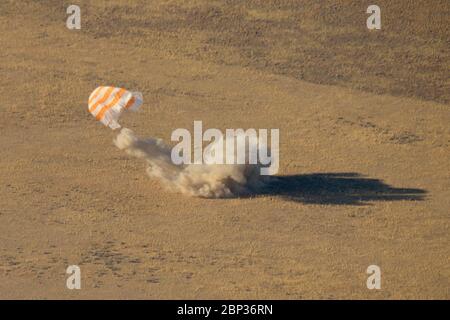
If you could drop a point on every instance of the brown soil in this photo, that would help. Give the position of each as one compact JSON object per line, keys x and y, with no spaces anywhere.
{"x":364,"y":136}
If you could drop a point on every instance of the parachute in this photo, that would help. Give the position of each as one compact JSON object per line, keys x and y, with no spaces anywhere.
{"x":106,"y":104}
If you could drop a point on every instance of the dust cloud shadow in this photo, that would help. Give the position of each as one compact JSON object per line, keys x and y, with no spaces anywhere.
{"x":346,"y":188}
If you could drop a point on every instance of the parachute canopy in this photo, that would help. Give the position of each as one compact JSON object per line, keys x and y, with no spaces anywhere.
{"x":106,"y":104}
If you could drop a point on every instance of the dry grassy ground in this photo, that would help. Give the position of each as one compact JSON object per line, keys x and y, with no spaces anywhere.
{"x":364,"y":137}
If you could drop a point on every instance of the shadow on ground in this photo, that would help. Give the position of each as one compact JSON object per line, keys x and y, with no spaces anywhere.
{"x":345,"y":188}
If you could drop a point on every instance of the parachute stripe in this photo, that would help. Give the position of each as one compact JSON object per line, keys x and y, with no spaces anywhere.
{"x":117,"y":96}
{"x":130,"y":103}
{"x":98,"y":96}
{"x":95,"y":94}
{"x":100,"y":93}
{"x":107,"y":103}
{"x":102,"y":99}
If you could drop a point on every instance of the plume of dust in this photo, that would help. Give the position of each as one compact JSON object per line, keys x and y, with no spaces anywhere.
{"x":201,"y":180}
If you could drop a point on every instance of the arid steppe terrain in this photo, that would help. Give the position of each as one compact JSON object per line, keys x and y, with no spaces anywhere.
{"x":364,"y":120}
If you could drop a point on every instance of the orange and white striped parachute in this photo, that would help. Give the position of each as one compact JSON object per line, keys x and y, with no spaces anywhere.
{"x":106,"y":104}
